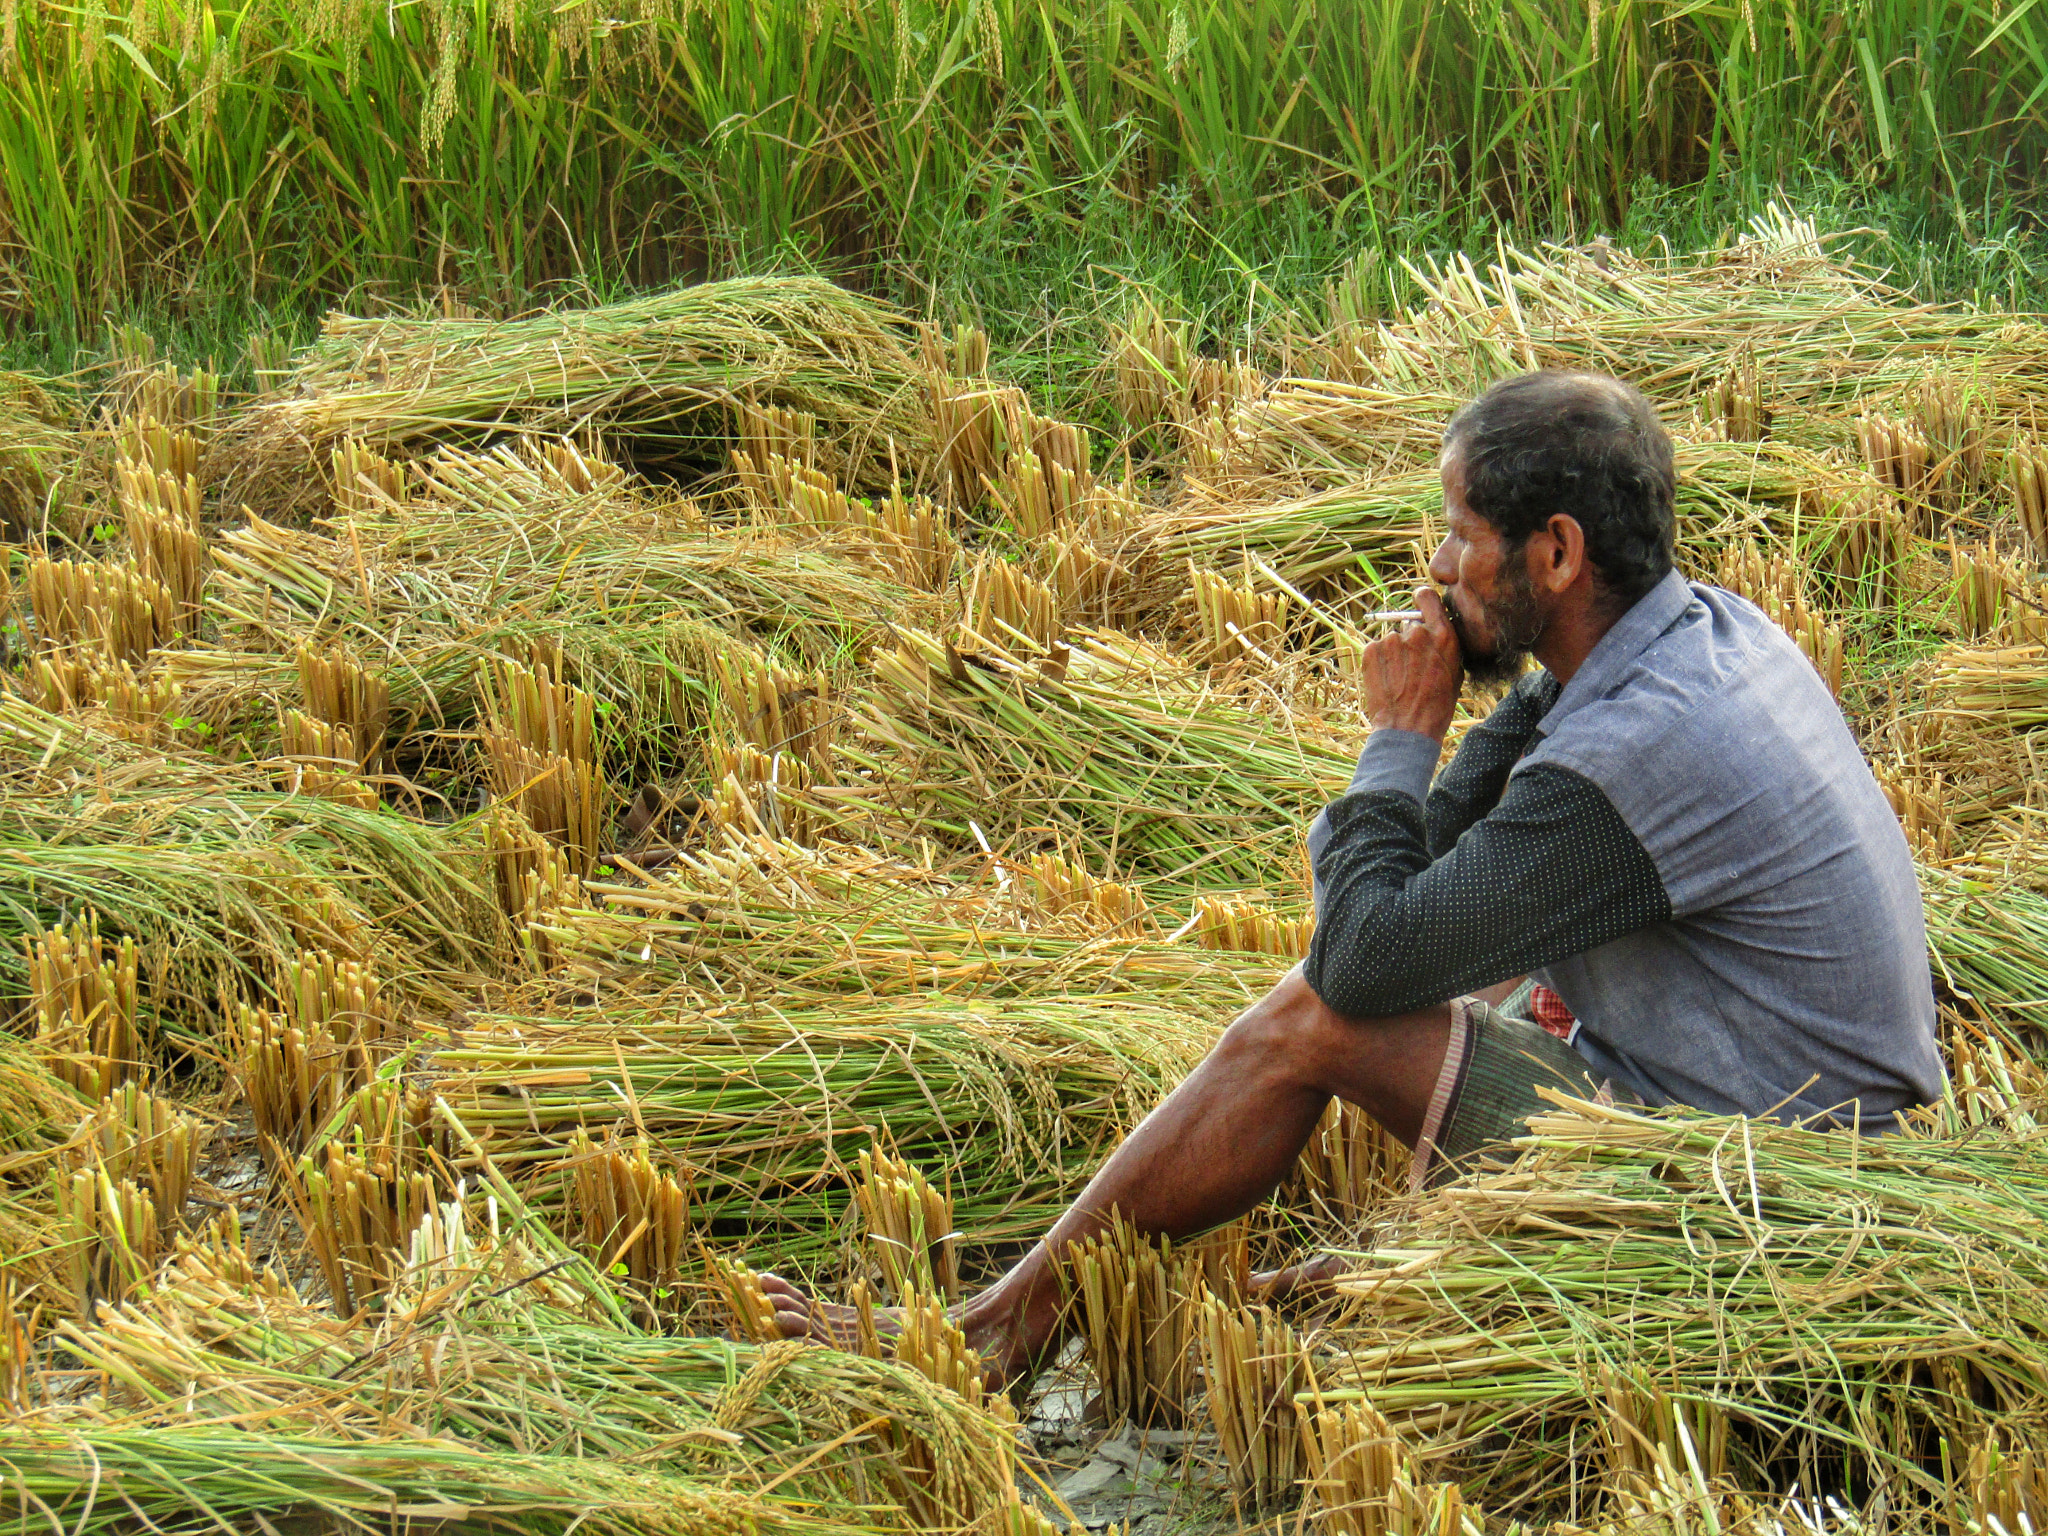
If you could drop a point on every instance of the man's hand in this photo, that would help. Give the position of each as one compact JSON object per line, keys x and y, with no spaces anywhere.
{"x":1412,"y":679}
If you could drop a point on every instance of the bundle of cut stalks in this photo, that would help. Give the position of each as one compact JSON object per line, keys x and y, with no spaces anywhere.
{"x":541,"y":743}
{"x":138,"y":1138}
{"x":352,"y":701}
{"x":833,"y":921}
{"x":39,"y":1110}
{"x":909,"y":1229}
{"x":1675,"y":327}
{"x":496,"y":1381}
{"x":772,"y":1107}
{"x":652,"y":367}
{"x":1352,"y":1170}
{"x":496,"y":554}
{"x":111,"y":1231}
{"x":85,"y":1006}
{"x":101,"y":1480}
{"x":214,"y":874}
{"x":2026,"y":470}
{"x":1063,"y":889}
{"x":1116,"y":750}
{"x":1363,"y":1481}
{"x":1150,"y":360}
{"x":1828,"y":1296}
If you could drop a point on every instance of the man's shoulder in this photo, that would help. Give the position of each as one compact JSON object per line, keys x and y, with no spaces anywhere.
{"x":1719,"y":693}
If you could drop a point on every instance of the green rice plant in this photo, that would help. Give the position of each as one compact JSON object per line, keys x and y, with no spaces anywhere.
{"x":1107,"y":748}
{"x":344,"y":148}
{"x":672,"y":366}
{"x":1844,"y":1304}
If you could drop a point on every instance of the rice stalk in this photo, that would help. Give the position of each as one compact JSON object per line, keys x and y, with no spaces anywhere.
{"x":1352,"y":1170}
{"x":345,"y":695}
{"x":111,"y":608}
{"x":294,"y":1079}
{"x":662,"y":367}
{"x":1881,"y":1297}
{"x":17,"y":1346}
{"x":1063,"y":889}
{"x":1019,"y":1098}
{"x":1253,"y":1364}
{"x":318,"y":758}
{"x":39,"y":1110}
{"x":1918,"y":799}
{"x":778,"y":710}
{"x":2006,"y":1485}
{"x":535,"y":886}
{"x":1149,"y":358}
{"x":85,"y":1002}
{"x":359,"y":1219}
{"x":909,"y":1229}
{"x":1362,"y":1479}
{"x":1903,"y":461}
{"x":135,"y":1137}
{"x":102,"y":1479}
{"x":1221,"y":923}
{"x":1236,"y":624}
{"x":635,"y":1221}
{"x":365,"y":482}
{"x":1737,"y":407}
{"x":1137,"y":1300}
{"x":1649,"y":1432}
{"x":161,"y":448}
{"x":166,"y":537}
{"x":342,"y":998}
{"x":1108,"y":749}
{"x":2026,"y":469}
{"x":110,"y":1231}
{"x":1009,"y":607}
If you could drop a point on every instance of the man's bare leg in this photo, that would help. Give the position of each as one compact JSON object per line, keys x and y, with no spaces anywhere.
{"x":1219,"y":1144}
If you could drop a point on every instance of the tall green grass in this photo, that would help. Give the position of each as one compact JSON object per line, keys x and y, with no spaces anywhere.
{"x":181,"y":154}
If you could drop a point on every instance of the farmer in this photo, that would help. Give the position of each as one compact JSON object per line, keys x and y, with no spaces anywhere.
{"x":1668,"y":828}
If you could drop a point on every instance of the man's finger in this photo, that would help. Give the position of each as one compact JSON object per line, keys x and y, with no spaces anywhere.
{"x":1430,"y":605}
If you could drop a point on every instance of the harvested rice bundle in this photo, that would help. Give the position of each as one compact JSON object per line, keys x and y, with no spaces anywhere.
{"x":1726,"y":492}
{"x":194,"y":1478}
{"x":1821,"y":332}
{"x":214,"y":874}
{"x":671,"y":367}
{"x":1112,"y":750}
{"x":497,"y":556}
{"x":723,"y":942}
{"x":39,"y":449}
{"x":1831,"y":1299}
{"x":507,"y":1373}
{"x":1017,"y":1099}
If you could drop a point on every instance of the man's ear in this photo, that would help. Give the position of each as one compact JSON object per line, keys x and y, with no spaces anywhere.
{"x":1563,"y":555}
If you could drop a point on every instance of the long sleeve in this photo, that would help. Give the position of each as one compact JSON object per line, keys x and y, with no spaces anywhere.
{"x":1472,"y":783}
{"x":1467,"y":789}
{"x":1549,"y":872}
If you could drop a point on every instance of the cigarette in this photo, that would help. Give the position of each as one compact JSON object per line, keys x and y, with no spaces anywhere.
{"x":1391,"y":616}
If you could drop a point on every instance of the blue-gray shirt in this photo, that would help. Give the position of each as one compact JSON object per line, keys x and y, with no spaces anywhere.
{"x":1684,"y":842}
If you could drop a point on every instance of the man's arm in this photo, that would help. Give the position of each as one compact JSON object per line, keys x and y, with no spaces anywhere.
{"x":1472,"y":782}
{"x":1552,"y":871}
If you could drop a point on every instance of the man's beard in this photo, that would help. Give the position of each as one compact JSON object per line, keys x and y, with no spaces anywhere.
{"x":1516,"y":623}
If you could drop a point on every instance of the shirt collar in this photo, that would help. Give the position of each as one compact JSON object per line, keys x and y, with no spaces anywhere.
{"x":1653,"y":613}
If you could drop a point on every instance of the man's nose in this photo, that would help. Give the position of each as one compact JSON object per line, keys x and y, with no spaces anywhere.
{"x":1443,"y":569}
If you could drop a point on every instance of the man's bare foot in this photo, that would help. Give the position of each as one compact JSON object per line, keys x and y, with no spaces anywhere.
{"x":1284,"y":1284}
{"x":1010,"y":1346}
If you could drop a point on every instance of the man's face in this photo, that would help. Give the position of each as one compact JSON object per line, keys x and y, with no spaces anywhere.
{"x":1487,"y":589}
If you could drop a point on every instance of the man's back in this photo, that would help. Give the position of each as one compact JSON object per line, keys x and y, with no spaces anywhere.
{"x":1792,"y":972}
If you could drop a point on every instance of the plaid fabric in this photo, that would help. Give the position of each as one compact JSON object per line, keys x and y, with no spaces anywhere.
{"x":1487,"y":1089}
{"x":1549,"y":1010}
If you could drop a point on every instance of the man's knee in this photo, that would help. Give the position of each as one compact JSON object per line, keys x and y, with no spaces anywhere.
{"x":1290,"y":1032}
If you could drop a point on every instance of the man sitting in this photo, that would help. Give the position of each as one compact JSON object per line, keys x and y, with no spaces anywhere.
{"x":1669,"y":826}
